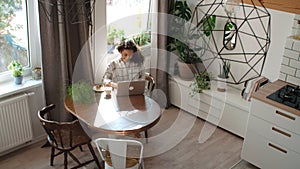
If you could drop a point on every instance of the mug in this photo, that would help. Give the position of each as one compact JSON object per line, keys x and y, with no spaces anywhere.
{"x":37,"y":73}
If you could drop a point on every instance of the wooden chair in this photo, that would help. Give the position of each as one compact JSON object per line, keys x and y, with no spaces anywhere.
{"x":65,"y":137}
{"x":120,"y":153}
{"x":150,"y":84}
{"x":149,"y":88}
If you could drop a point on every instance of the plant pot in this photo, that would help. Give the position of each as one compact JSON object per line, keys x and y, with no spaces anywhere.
{"x":187,"y":71}
{"x":221,"y":84}
{"x":18,"y":80}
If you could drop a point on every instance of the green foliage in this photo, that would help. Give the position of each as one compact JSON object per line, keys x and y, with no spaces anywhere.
{"x":184,"y":53}
{"x":114,"y":35}
{"x":224,"y":70}
{"x":16,"y":68}
{"x":81,"y":92}
{"x":200,"y":83}
{"x":7,"y":11}
{"x":182,"y":10}
{"x":207,"y":24}
{"x":142,"y":39}
{"x":228,"y":26}
{"x":183,"y":50}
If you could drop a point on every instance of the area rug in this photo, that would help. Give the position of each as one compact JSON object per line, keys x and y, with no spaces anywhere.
{"x":242,"y":164}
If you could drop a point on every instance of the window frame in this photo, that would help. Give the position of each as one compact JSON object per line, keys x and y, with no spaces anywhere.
{"x":34,"y":44}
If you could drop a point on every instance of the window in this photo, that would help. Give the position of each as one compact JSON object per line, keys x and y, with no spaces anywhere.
{"x":127,"y":18}
{"x":19,"y":35}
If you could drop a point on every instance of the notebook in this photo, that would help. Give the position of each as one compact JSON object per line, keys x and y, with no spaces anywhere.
{"x":128,"y":88}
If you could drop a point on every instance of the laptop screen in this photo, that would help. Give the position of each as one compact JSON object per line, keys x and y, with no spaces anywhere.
{"x":128,"y":88}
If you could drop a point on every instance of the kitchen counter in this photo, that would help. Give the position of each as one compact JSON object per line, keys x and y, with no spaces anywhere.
{"x":270,"y":88}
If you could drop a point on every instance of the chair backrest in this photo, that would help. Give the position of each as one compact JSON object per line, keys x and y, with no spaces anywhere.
{"x":150,"y":84}
{"x":120,"y":153}
{"x":61,"y":134}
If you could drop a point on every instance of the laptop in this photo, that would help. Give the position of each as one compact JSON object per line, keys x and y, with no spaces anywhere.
{"x":129,"y":88}
{"x":136,"y":102}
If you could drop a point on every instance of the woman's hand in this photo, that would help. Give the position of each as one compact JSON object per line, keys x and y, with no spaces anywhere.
{"x":112,"y":84}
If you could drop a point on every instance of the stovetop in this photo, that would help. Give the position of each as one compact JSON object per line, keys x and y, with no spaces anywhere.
{"x":288,"y":95}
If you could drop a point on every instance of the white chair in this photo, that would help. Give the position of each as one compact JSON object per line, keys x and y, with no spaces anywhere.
{"x":120,"y":153}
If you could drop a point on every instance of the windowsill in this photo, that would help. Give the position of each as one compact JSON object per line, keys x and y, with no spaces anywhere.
{"x":9,"y":88}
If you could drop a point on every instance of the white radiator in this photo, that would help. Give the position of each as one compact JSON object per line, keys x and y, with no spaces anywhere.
{"x":15,"y":123}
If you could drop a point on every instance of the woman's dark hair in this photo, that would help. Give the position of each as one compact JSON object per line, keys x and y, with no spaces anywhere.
{"x":137,"y":57}
{"x":127,"y":44}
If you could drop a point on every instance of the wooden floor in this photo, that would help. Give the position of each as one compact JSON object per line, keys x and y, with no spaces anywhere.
{"x":221,"y":150}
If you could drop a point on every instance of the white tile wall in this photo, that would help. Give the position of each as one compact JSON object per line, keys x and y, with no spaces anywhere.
{"x":291,"y":53}
{"x":285,"y":61}
{"x":298,"y":73}
{"x":290,"y":65}
{"x":287,"y":70}
{"x":293,"y":79}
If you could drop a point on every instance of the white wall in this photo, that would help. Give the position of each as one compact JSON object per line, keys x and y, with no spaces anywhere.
{"x":281,"y":28}
{"x":100,"y":45}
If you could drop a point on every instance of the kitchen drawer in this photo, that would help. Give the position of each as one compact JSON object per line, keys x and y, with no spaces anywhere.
{"x":267,"y":154}
{"x":275,"y":115}
{"x":275,"y":133}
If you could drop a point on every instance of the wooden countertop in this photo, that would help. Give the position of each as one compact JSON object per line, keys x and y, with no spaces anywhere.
{"x":270,"y":88}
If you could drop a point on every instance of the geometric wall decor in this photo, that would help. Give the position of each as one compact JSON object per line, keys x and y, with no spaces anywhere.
{"x":241,"y":36}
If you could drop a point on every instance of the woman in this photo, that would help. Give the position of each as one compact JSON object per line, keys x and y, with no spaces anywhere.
{"x":130,"y":66}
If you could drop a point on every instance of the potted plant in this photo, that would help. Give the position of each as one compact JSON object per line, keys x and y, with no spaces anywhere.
{"x":188,"y":60}
{"x":17,"y":70}
{"x":223,"y":76}
{"x":201,"y":82}
{"x":81,"y":92}
{"x":142,"y":38}
{"x":114,"y":35}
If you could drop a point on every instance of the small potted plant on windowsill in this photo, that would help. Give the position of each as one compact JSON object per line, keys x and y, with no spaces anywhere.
{"x":17,"y":70}
{"x":223,"y":76}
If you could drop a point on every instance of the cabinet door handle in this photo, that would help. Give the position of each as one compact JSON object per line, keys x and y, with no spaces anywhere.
{"x":281,"y":132}
{"x":285,"y":115}
{"x":277,"y":148}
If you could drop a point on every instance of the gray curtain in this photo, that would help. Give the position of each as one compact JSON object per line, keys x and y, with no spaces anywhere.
{"x":64,"y":30}
{"x":161,"y":74}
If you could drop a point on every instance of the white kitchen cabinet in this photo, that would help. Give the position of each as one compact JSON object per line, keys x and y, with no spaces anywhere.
{"x":225,"y":109}
{"x":272,"y":138}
